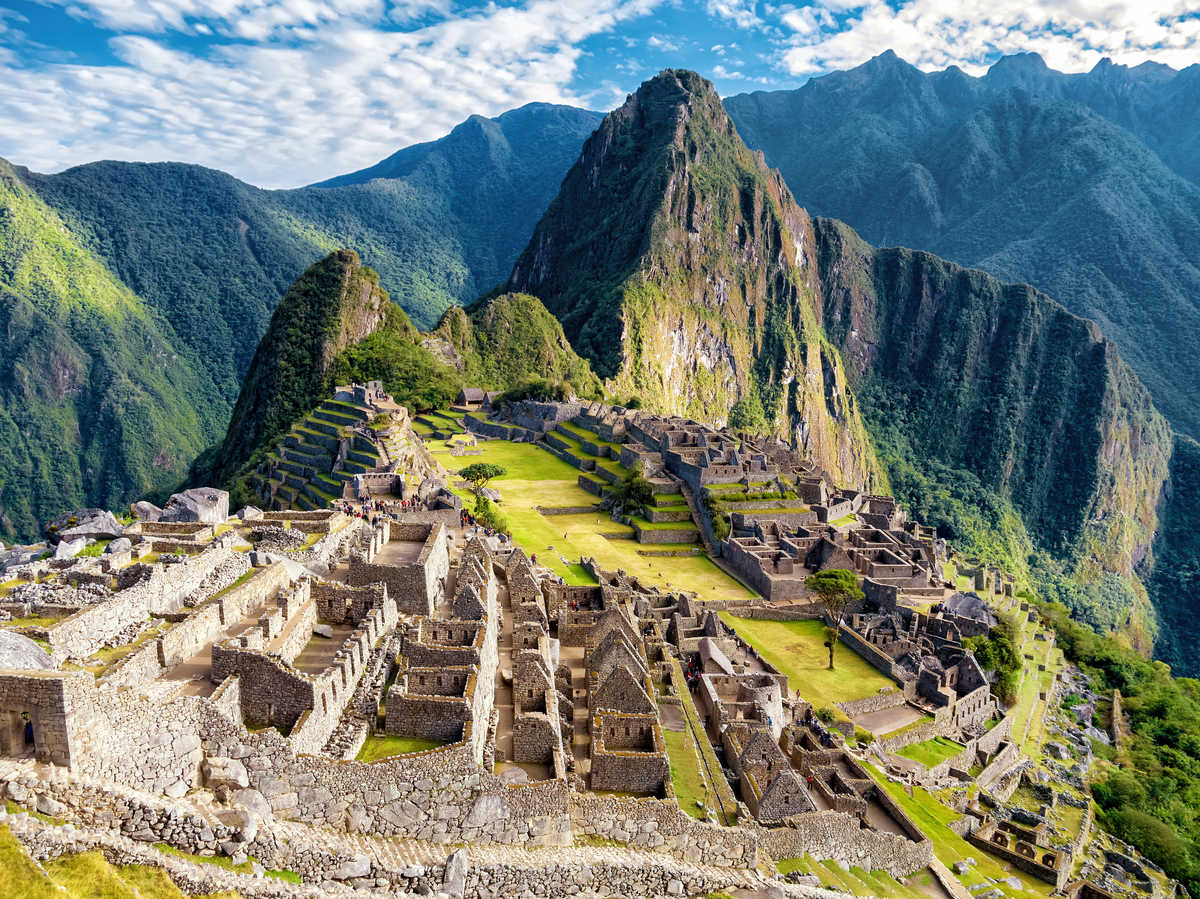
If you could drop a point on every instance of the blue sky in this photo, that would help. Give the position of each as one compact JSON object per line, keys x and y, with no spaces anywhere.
{"x":285,"y":92}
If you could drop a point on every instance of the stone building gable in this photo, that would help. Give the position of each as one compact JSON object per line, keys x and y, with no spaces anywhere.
{"x":621,"y":691}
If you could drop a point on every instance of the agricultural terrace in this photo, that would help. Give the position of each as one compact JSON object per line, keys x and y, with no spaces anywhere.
{"x":797,"y":649}
{"x":536,"y":479}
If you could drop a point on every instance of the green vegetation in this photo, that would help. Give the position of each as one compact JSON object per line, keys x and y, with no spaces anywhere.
{"x":797,"y":649}
{"x":856,"y":881}
{"x":836,"y":588}
{"x":1153,"y":799}
{"x":512,"y":339}
{"x":384,"y":746}
{"x":394,"y":355}
{"x":932,"y":752}
{"x":686,"y":776}
{"x":479,"y":474}
{"x":1000,"y":652}
{"x":91,"y":380}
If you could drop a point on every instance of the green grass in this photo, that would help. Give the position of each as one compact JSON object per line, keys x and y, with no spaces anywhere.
{"x":844,"y":520}
{"x":797,"y":649}
{"x":686,"y":776}
{"x":380,"y":746}
{"x":30,"y":621}
{"x":590,"y":436}
{"x":645,"y":525}
{"x":94,"y":550}
{"x":856,"y":881}
{"x":932,"y":752}
{"x":536,"y":479}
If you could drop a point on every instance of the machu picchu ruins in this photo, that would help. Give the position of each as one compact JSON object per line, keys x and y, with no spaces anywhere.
{"x":359,"y":676}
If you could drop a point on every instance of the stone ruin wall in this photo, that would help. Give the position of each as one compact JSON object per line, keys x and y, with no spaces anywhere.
{"x":412,"y":586}
{"x":184,"y":639}
{"x":661,"y":824}
{"x":83,"y":633}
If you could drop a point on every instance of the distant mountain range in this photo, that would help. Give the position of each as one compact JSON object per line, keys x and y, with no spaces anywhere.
{"x":1084,"y":186}
{"x":203,"y":259}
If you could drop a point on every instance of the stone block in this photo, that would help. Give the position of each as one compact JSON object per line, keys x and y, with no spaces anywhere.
{"x":225,"y":772}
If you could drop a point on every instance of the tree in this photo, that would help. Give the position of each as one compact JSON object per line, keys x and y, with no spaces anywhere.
{"x":632,"y":492}
{"x":837,"y":588}
{"x":480,"y":473}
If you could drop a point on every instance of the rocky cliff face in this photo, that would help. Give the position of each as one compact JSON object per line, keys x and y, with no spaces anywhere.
{"x":1002,"y":381}
{"x":682,"y":268}
{"x":334,"y":305}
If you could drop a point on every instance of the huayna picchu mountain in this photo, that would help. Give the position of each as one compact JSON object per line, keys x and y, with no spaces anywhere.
{"x":682,"y":268}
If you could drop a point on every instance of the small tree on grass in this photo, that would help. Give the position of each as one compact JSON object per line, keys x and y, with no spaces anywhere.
{"x":480,"y":473}
{"x":837,"y":588}
{"x":631,"y":492}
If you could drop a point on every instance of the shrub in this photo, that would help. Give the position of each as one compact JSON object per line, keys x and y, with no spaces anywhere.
{"x":826,"y":715}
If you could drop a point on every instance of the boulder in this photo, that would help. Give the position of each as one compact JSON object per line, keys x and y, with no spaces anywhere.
{"x":491,"y":494}
{"x":250,"y":513}
{"x":223,"y":772}
{"x":359,"y":866}
{"x":48,"y":806}
{"x":323,"y":630}
{"x":120,"y":545}
{"x":430,"y":487}
{"x":69,"y":549}
{"x":99,"y":527}
{"x":255,"y":803}
{"x":145,"y":511}
{"x":18,"y":651}
{"x":454,"y":880}
{"x":206,"y":505}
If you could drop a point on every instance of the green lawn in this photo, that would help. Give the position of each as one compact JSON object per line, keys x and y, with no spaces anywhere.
{"x":382,"y":746}
{"x":686,"y":776}
{"x":932,"y":752}
{"x":535,"y":479}
{"x":797,"y":649}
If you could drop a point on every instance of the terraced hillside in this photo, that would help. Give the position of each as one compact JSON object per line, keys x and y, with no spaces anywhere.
{"x":312,"y":463}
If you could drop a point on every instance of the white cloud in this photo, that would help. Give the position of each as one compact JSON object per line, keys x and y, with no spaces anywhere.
{"x":1072,"y":35}
{"x":661,"y":43}
{"x":740,"y":12}
{"x":285,"y":113}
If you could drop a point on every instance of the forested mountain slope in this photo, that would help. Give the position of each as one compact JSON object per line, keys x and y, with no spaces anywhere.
{"x":96,"y":401}
{"x":205,"y":259}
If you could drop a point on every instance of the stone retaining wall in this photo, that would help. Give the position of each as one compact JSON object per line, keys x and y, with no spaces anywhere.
{"x":840,"y":837}
{"x":877,"y":702}
{"x":80,"y":635}
{"x":660,"y":824}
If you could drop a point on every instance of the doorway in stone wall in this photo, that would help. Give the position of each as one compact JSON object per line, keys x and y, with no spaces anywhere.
{"x":18,"y":734}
